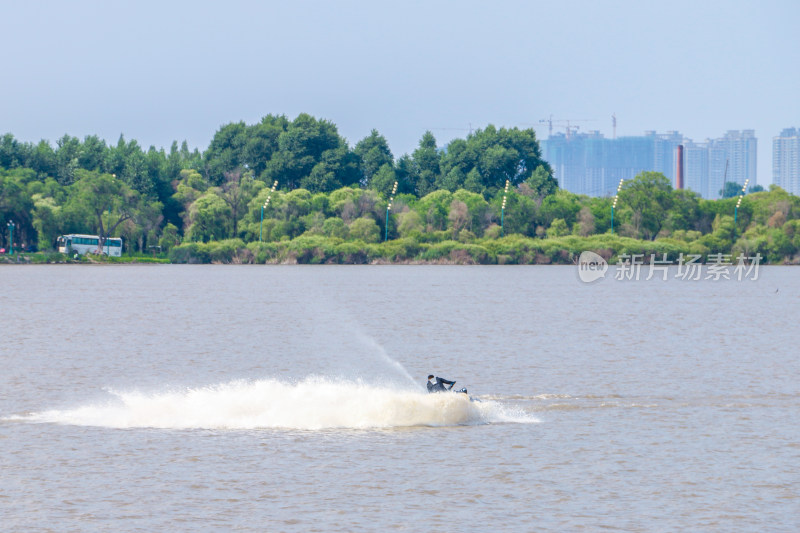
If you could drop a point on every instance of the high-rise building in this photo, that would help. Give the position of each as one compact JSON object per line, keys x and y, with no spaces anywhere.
{"x":588,"y":163}
{"x":786,"y":160}
{"x":741,"y":148}
{"x":710,"y":164}
{"x":696,"y":164}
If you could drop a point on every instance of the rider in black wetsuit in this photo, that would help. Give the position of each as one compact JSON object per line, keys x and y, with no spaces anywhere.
{"x":439,"y":384}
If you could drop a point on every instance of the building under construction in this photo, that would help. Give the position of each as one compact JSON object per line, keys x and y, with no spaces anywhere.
{"x":589,"y":163}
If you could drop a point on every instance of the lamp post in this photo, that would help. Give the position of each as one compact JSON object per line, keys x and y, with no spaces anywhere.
{"x":739,"y":201}
{"x":503,"y":211}
{"x":11,"y":237}
{"x":389,"y":207}
{"x":269,"y":196}
{"x":614,"y":204}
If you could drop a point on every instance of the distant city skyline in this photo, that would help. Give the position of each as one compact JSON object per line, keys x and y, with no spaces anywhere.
{"x":592,"y":164}
{"x":158,"y":72}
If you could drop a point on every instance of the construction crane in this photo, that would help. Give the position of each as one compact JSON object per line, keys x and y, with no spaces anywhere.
{"x":562,"y":123}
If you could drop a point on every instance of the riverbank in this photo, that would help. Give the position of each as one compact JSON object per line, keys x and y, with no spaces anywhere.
{"x":52,"y":258}
{"x":509,"y":250}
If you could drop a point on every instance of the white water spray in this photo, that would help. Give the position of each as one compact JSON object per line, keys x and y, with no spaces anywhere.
{"x":313,"y":404}
{"x":376,"y":348}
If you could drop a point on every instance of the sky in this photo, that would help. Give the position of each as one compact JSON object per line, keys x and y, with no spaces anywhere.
{"x":163,"y":71}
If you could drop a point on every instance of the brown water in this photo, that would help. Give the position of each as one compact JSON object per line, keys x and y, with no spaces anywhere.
{"x":291,"y":398}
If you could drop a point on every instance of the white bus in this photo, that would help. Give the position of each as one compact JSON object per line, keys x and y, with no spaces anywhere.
{"x":87,"y":244}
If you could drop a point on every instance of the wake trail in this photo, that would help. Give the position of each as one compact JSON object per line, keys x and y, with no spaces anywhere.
{"x":312,"y":404}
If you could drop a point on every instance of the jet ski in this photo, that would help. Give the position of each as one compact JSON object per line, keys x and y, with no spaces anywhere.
{"x":443,"y":388}
{"x":463,"y":390}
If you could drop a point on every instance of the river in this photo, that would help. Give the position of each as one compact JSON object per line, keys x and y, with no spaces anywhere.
{"x":292,"y":398}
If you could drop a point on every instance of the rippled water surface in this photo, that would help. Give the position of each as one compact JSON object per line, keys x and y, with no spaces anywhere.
{"x":291,"y":398}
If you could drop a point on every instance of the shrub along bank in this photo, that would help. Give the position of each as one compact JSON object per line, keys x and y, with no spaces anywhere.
{"x":509,"y":250}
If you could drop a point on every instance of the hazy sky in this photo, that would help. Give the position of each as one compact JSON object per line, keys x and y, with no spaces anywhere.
{"x":163,"y":71}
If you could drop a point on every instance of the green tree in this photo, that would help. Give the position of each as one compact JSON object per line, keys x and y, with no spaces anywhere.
{"x":477,"y":209}
{"x":127,"y":162}
{"x":262,"y":142}
{"x":434,"y":209}
{"x":337,"y":168}
{"x":67,"y":154}
{"x":585,"y":224}
{"x":237,"y":191}
{"x":520,"y":213}
{"x":409,"y":224}
{"x":109,"y":201}
{"x":209,"y":218}
{"x":42,"y":159}
{"x":406,"y":175}
{"x":46,"y":220}
{"x":563,"y":204}
{"x":226,"y":152}
{"x":383,"y":180}
{"x":365,"y":229}
{"x":425,"y":170}
{"x":541,"y":183}
{"x":92,"y":153}
{"x":649,"y":198}
{"x":11,"y":152}
{"x":684,"y":211}
{"x":15,"y":205}
{"x":373,"y":153}
{"x":308,"y":143}
{"x":487,"y":158}
{"x":169,"y":237}
{"x":731,"y":189}
{"x":335,"y":227}
{"x":558,"y":228}
{"x":147,"y":219}
{"x":458,"y":217}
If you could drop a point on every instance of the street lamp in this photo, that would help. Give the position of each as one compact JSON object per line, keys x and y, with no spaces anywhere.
{"x":269,"y":196}
{"x":388,"y":207}
{"x":11,"y":237}
{"x":614,"y":204}
{"x":503,"y":211}
{"x":739,"y":201}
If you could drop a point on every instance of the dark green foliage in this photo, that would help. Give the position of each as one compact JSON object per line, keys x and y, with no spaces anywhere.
{"x":373,"y":154}
{"x":647,"y":199}
{"x":331,"y":201}
{"x":424,"y":170}
{"x":486,"y":159}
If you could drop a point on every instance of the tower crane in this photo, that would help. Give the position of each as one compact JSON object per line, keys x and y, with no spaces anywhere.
{"x":565,"y":123}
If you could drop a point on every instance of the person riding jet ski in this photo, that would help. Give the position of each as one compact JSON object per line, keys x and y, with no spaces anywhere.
{"x":437,"y":384}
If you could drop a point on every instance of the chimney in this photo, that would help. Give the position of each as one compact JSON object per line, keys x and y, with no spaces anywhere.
{"x":679,"y":166}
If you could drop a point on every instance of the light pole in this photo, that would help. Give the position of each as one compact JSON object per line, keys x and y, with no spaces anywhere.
{"x":503,"y":211}
{"x":388,"y":207}
{"x":614,"y":204}
{"x":261,"y":231}
{"x":739,"y":201}
{"x":11,"y":237}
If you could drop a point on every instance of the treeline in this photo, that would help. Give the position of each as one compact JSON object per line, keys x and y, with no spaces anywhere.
{"x":331,"y":200}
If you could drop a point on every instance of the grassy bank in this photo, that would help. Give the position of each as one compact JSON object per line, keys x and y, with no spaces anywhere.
{"x":510,"y":250}
{"x":50,"y":258}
